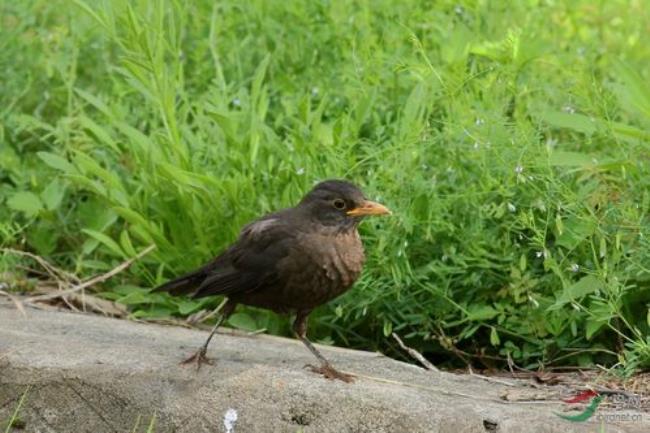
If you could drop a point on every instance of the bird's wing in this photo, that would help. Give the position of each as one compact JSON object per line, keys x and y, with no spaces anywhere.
{"x":252,"y":261}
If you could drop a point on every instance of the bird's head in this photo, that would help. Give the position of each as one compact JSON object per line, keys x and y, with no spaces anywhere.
{"x":339,"y":203}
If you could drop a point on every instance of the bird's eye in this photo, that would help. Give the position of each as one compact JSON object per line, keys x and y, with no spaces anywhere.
{"x":339,"y":204}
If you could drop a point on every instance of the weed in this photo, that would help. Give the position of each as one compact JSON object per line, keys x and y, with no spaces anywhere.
{"x":15,"y":422}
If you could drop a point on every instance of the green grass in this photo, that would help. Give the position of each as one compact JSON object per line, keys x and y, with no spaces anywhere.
{"x":14,"y":422}
{"x":511,"y":142}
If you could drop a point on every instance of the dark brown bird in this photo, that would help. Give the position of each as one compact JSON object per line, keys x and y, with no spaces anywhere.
{"x":290,"y":261}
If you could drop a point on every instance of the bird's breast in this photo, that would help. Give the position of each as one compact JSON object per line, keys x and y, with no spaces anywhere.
{"x":343,"y":259}
{"x":321,"y":267}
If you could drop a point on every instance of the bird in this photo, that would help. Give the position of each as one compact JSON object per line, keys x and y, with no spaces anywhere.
{"x":290,"y":262}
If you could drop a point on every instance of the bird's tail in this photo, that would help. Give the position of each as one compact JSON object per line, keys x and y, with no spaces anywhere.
{"x":183,"y":285}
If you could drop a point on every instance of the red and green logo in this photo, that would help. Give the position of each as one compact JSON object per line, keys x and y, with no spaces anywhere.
{"x":594,"y":399}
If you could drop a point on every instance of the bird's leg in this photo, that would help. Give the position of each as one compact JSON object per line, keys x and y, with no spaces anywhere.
{"x":199,"y":357}
{"x":326,"y":368}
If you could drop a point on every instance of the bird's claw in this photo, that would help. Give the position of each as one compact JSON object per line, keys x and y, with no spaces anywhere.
{"x":331,"y":373}
{"x":199,"y":358}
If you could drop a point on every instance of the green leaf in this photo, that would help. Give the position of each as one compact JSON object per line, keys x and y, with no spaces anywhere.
{"x":585,"y":286}
{"x":102,"y":135}
{"x":388,"y":328}
{"x":135,"y":298}
{"x":593,"y":326}
{"x":89,"y":10}
{"x":131,"y":216}
{"x":481,"y":312}
{"x":188,"y":307}
{"x":43,"y":238}
{"x":126,"y":244}
{"x":415,"y":107}
{"x":57,"y":162}
{"x":494,"y":337}
{"x":575,"y":231}
{"x":53,"y":194}
{"x":569,"y":159}
{"x":139,"y":141}
{"x":95,"y":215}
{"x":634,"y":93}
{"x":154,"y":312}
{"x":575,"y":122}
{"x":630,"y":133}
{"x":106,"y":241}
{"x":88,"y":165}
{"x":26,"y":202}
{"x":242,"y":321}
{"x":92,"y":99}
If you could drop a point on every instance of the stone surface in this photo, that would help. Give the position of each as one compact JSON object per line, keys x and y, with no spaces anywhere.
{"x":83,"y":373}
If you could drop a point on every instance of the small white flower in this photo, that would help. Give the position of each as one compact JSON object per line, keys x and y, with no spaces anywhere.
{"x":512,"y":207}
{"x":229,"y":420}
{"x":444,"y":257}
{"x":300,"y":171}
{"x":568,"y":109}
{"x":458,"y":9}
{"x":575,"y":267}
{"x":236,"y":102}
{"x":539,"y":254}
{"x":476,"y":145}
{"x":479,"y":121}
{"x":314,"y":91}
{"x":519,"y":169}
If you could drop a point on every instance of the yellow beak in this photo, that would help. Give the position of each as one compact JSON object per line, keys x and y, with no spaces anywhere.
{"x":369,"y":208}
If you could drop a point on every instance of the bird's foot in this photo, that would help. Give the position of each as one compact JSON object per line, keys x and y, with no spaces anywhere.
{"x":199,"y":358}
{"x":331,"y":373}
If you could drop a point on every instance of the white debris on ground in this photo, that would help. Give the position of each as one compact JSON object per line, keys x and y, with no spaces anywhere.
{"x":229,"y":420}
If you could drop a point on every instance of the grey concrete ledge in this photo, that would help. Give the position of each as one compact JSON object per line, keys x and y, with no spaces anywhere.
{"x":94,"y":374}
